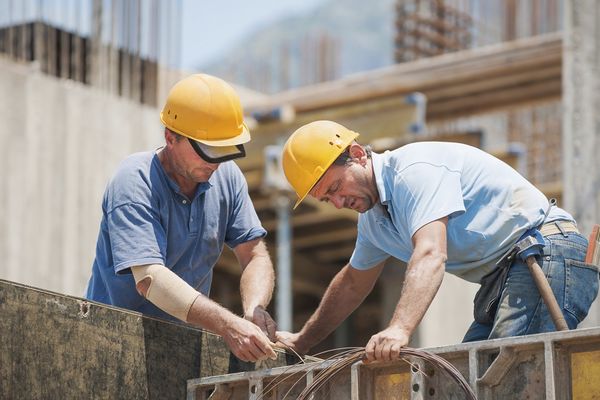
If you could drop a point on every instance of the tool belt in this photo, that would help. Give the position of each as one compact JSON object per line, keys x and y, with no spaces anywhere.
{"x":488,"y":296}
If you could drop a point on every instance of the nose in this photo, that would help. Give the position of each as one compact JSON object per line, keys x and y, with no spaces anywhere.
{"x":338,"y":202}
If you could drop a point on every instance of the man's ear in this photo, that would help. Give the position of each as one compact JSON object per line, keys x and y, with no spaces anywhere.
{"x":169,"y":136}
{"x":358,"y":153}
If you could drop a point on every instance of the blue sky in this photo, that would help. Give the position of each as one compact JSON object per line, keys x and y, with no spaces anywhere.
{"x":210,"y":27}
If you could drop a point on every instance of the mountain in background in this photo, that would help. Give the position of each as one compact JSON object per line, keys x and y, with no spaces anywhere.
{"x":338,"y":38}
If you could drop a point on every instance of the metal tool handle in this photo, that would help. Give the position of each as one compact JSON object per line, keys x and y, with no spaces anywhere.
{"x":546,"y":292}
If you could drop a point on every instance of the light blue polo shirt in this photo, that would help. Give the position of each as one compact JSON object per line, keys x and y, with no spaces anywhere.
{"x":147,"y":220}
{"x":489,"y":205}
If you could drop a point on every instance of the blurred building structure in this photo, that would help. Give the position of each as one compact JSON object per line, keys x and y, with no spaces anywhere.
{"x":130,"y":48}
{"x":426,"y":28}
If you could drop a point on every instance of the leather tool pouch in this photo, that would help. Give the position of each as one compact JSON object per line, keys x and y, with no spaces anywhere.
{"x":488,"y":296}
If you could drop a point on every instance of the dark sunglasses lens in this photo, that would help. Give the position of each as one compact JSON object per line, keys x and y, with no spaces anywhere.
{"x":216,"y":160}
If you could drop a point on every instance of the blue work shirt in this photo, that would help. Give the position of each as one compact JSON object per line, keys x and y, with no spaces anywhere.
{"x":489,"y":206}
{"x":147,"y":220}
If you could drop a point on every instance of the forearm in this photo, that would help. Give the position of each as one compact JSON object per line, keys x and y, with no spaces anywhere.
{"x":208,"y":314}
{"x":244,"y":338}
{"x":173,"y":295}
{"x":257,"y":283}
{"x":423,"y":278}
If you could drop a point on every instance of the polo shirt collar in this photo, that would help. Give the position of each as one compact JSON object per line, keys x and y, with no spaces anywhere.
{"x":378,"y":160}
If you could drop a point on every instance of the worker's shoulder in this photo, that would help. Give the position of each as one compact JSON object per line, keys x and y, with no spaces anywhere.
{"x":430,"y":147}
{"x":228,"y":171}
{"x":135,"y":164}
{"x":135,"y":169}
{"x":435,"y":153}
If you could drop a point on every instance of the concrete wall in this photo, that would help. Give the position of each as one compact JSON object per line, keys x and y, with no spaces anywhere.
{"x":581,"y":122}
{"x":60,"y":141}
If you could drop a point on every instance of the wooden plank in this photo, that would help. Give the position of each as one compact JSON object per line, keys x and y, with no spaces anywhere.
{"x":477,"y":85}
{"x":531,"y":52}
{"x":504,"y":98}
{"x":592,"y":256}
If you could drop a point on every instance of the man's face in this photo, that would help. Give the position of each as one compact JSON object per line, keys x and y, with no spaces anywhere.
{"x":189,"y":165}
{"x":348,"y":186}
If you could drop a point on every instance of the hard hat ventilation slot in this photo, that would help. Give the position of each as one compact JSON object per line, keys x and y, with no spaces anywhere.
{"x":169,"y":112}
{"x":175,"y":116}
{"x":331,"y":143}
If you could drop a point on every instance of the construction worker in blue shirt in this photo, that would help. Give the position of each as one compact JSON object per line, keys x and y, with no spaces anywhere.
{"x":440,"y":207}
{"x":166,"y":215}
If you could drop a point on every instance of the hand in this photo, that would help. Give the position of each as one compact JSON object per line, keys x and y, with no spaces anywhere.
{"x":386,"y":345}
{"x":263,"y":320}
{"x":291,"y":340}
{"x":247,"y":341}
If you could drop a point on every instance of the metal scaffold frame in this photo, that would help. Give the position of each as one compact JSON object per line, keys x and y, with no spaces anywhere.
{"x":557,"y":365}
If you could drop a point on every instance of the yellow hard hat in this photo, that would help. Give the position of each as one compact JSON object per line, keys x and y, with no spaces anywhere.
{"x":207,"y":110}
{"x":310,"y":150}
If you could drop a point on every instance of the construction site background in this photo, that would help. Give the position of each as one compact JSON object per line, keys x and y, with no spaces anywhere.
{"x":71,"y":112}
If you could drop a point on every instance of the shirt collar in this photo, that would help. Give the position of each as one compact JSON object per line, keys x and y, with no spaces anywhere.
{"x":378,"y":161}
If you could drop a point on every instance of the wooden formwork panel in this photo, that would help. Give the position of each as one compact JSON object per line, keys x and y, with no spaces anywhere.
{"x":54,"y":346}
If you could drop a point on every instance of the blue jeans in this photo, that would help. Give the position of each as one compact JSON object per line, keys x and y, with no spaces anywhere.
{"x":522,"y":311}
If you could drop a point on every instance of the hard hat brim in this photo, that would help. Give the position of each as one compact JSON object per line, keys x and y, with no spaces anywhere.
{"x":299,"y":201}
{"x":217,"y":154}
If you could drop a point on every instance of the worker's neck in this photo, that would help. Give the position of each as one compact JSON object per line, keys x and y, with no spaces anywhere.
{"x":186,"y":186}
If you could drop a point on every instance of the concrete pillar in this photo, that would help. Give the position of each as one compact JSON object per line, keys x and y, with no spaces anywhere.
{"x":581,"y":119}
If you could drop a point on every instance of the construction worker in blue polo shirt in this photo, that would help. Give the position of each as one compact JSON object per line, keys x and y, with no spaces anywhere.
{"x":166,"y":215}
{"x":439,"y":207}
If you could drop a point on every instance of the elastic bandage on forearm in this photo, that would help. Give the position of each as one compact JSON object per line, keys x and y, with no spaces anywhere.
{"x":166,"y":290}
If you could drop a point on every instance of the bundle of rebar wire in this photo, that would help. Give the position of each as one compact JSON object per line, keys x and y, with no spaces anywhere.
{"x":341,"y":361}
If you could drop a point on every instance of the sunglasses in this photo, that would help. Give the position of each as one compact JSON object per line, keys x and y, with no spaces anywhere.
{"x":218,"y":154}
